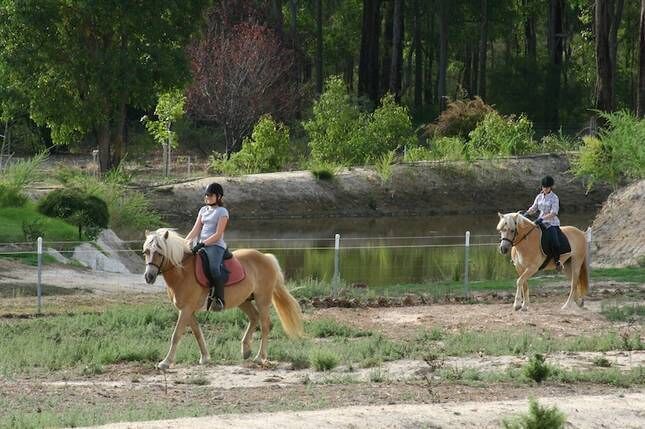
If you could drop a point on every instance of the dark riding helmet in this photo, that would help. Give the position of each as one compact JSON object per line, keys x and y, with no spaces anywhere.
{"x":547,"y":182}
{"x":214,"y":189}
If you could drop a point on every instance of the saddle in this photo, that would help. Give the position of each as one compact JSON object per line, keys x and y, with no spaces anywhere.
{"x":232,"y":267}
{"x":545,"y":242}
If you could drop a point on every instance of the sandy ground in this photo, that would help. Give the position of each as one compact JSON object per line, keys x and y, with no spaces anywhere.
{"x":584,"y":411}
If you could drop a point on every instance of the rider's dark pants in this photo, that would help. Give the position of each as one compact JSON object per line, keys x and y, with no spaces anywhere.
{"x":218,"y":277}
{"x":555,"y":242}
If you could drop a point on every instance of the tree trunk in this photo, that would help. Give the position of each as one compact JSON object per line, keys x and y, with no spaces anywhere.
{"x":555,"y":45}
{"x":443,"y":54}
{"x":397,"y":50}
{"x":640,"y":95}
{"x":277,"y":19}
{"x":386,"y":57}
{"x":483,"y":42}
{"x":349,"y":72}
{"x":604,"y":94}
{"x":615,"y":16}
{"x":418,"y":58}
{"x":368,"y":65}
{"x":530,"y":48}
{"x":431,"y":42}
{"x":105,"y":152}
{"x":118,"y":135}
{"x":319,"y":47}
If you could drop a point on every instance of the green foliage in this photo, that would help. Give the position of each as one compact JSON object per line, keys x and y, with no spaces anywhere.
{"x":418,"y":153}
{"x":538,"y":418}
{"x":323,"y":360}
{"x":617,"y":153}
{"x":115,"y":54}
{"x":497,"y":135}
{"x":77,"y":207}
{"x":553,"y":143}
{"x":129,"y":211}
{"x":459,"y":119}
{"x":448,"y":148}
{"x":334,"y":125}
{"x":625,"y":313}
{"x":170,"y":108}
{"x":22,"y":223}
{"x":16,"y":177}
{"x":340,"y":132}
{"x":265,"y":151}
{"x":383,"y":166}
{"x":323,"y":170}
{"x":536,"y":369}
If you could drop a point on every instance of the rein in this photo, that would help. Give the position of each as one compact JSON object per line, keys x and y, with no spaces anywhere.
{"x":515,"y":243}
{"x":158,"y":267}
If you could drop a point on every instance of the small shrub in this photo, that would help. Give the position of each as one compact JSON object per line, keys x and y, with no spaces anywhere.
{"x":536,"y":369}
{"x":459,"y":118}
{"x":602,"y":362}
{"x":16,"y":177}
{"x":498,"y":135}
{"x":617,"y":153}
{"x":323,"y":360}
{"x":80,"y":209}
{"x":418,"y":153}
{"x":538,"y":417}
{"x":558,"y":143}
{"x":93,"y":369}
{"x":323,"y":170}
{"x":266,"y":150}
{"x":33,"y":229}
{"x":383,"y":166}
{"x":448,"y":148}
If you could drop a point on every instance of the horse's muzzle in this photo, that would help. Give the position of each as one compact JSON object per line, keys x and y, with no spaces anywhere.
{"x":150,"y":276}
{"x":503,"y":248}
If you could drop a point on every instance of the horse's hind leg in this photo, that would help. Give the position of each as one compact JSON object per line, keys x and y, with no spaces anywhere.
{"x":199,"y":336}
{"x":182,"y":320}
{"x":265,"y":327}
{"x":575,"y":273}
{"x":252,"y":313}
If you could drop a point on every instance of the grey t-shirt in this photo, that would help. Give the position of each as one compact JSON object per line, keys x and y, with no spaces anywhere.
{"x":210,"y":217}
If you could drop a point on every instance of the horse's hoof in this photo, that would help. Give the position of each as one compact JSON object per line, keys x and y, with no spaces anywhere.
{"x":204,"y":360}
{"x":246,"y":354}
{"x":163,"y":365}
{"x":525,"y":308}
{"x":517,"y":307}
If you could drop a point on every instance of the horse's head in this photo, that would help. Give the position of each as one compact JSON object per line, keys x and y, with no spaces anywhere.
{"x":163,"y":249}
{"x":507,"y":227}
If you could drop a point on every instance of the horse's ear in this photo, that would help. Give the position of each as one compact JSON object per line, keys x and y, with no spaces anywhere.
{"x":165,"y":236}
{"x":500,"y":215}
{"x":147,"y":233}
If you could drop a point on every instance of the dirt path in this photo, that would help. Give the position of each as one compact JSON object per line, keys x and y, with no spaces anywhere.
{"x":619,"y":411}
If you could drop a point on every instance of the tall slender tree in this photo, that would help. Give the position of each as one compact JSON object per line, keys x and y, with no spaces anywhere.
{"x":604,"y":93}
{"x":397,"y":50}
{"x":319,"y":47}
{"x":556,"y":49}
{"x":640,"y":96}
{"x":443,"y":54}
{"x":368,"y":64}
{"x":483,"y":44}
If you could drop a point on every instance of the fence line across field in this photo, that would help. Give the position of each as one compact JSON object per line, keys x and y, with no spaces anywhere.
{"x":336,"y":278}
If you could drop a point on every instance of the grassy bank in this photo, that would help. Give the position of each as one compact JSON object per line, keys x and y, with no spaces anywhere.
{"x":85,"y":343}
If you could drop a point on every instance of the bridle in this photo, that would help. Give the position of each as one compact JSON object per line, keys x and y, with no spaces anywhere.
{"x":158,"y":267}
{"x":512,"y":240}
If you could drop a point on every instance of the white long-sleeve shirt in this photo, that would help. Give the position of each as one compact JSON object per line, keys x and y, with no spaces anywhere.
{"x":549,"y":203}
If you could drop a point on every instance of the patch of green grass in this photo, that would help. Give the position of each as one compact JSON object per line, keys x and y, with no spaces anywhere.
{"x":63,"y":414}
{"x":330,"y":328}
{"x":629,"y":274}
{"x":51,"y":229}
{"x":624,"y":313}
{"x":323,"y":360}
{"x":602,"y":362}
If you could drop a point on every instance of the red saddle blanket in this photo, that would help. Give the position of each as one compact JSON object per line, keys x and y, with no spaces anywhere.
{"x":232,"y":265}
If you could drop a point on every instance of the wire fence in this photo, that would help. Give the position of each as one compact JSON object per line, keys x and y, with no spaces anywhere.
{"x":336,"y":261}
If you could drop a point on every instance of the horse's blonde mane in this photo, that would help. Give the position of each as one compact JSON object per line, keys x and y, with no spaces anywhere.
{"x":511,"y":220}
{"x":168,"y":243}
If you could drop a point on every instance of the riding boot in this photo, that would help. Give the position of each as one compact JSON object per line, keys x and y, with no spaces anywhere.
{"x":558,"y":265}
{"x":216,"y":296}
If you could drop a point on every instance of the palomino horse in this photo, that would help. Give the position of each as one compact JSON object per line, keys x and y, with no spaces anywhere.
{"x":522,"y":237}
{"x":168,"y":254}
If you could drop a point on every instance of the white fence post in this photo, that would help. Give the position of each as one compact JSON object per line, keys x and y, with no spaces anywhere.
{"x":39,"y":286}
{"x":188,"y":165}
{"x":466,"y":251}
{"x":336,"y":279}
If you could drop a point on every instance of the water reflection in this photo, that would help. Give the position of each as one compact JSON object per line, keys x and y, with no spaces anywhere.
{"x":383,"y":251}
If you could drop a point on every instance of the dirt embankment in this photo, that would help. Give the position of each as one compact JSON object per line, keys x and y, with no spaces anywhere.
{"x":618,"y":228}
{"x":424,"y":188}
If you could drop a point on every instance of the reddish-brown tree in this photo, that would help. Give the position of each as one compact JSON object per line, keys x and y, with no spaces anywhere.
{"x":240,"y":72}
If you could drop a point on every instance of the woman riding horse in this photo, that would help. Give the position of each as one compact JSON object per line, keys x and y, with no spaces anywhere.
{"x":548,"y":203}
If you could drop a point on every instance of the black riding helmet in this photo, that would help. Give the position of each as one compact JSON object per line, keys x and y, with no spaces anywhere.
{"x":547,"y":182}
{"x":214,"y":189}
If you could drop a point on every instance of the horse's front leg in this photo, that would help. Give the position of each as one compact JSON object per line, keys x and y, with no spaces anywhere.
{"x":523,"y":282}
{"x":199,"y":336}
{"x":518,"y":296}
{"x":182,"y":320}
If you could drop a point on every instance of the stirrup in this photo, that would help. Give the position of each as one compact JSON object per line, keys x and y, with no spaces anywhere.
{"x":215,"y":304}
{"x":558,"y":266}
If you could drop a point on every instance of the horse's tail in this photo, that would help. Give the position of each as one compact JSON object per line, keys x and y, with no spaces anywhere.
{"x":583,"y":279}
{"x":286,"y":305}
